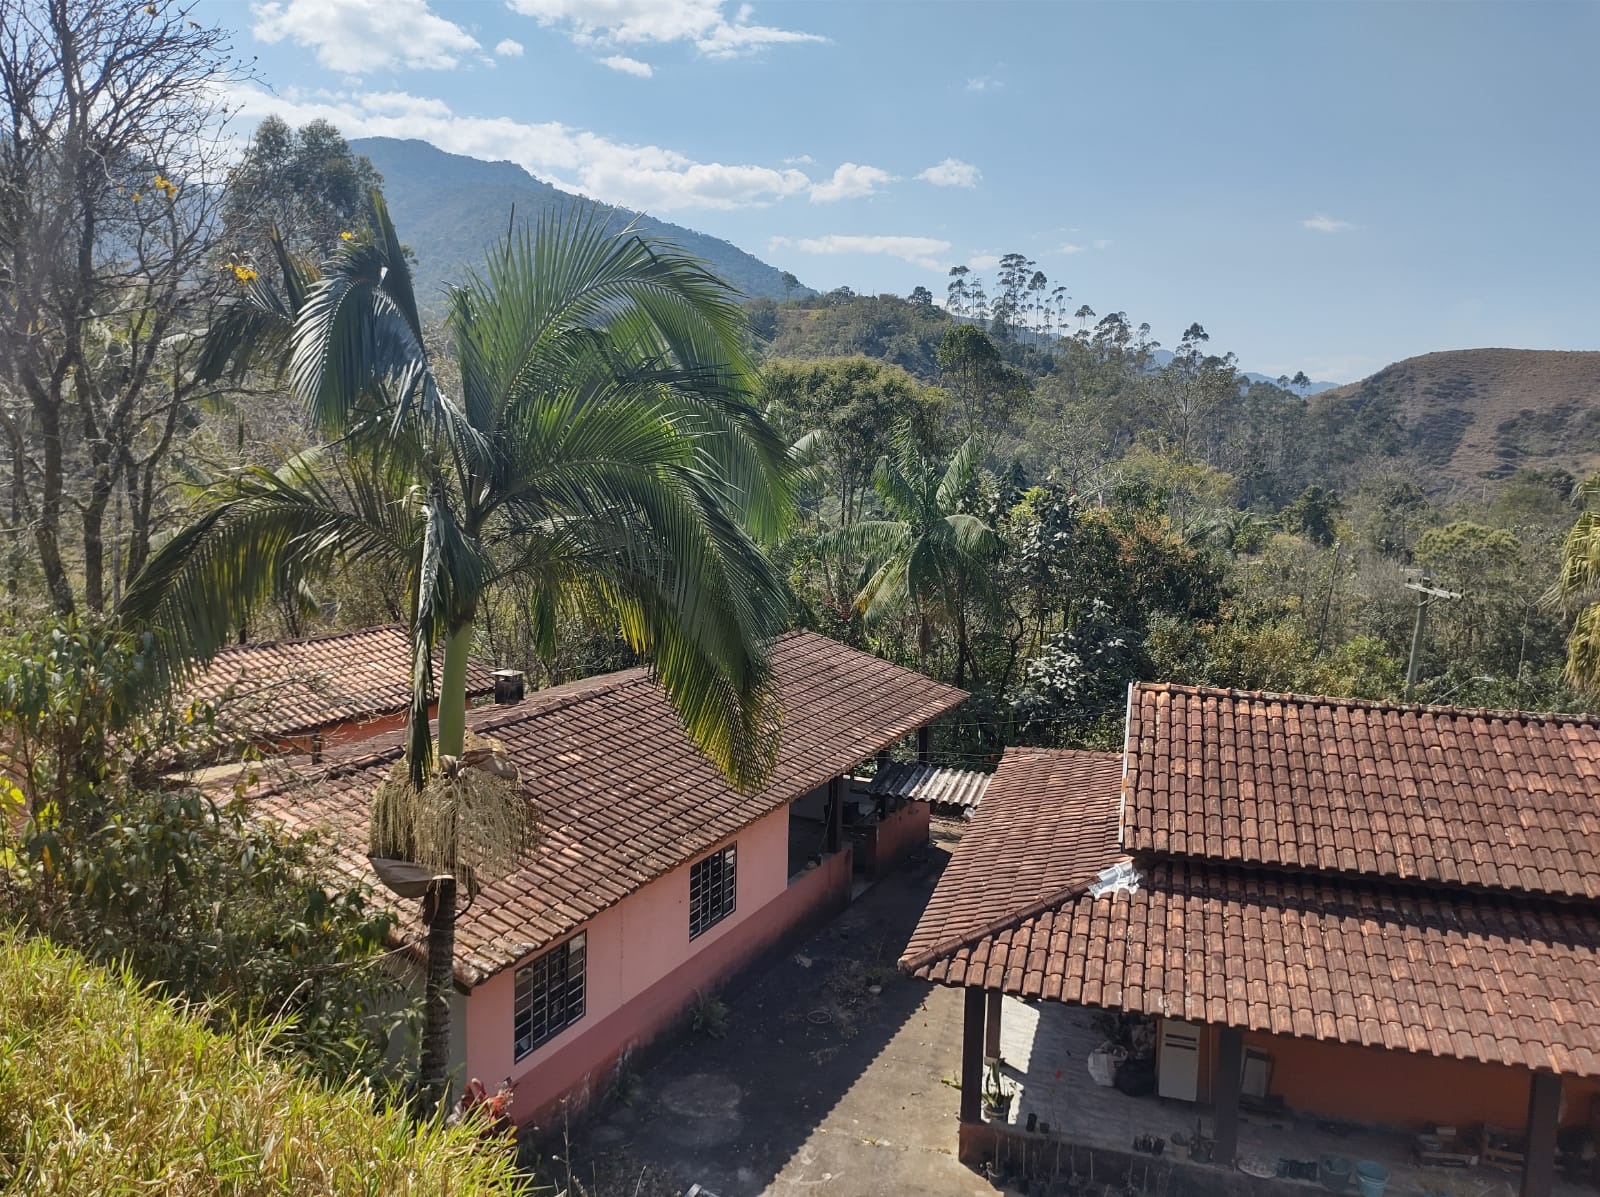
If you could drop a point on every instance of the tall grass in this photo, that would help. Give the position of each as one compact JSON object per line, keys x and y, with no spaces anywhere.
{"x":107,"y":1090}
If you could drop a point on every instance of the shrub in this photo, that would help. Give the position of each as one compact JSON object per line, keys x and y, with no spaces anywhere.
{"x":110,"y":856}
{"x":107,"y":1089}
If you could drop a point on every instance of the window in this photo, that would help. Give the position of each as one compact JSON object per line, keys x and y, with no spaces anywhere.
{"x":549,"y":995}
{"x":712,"y":883}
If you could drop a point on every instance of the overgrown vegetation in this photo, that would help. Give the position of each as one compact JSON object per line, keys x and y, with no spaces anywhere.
{"x":104,"y":1088}
{"x":110,"y":848}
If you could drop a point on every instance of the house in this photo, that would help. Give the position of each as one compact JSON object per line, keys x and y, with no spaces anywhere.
{"x":319,"y":691}
{"x":654,"y":879}
{"x":1362,"y":914}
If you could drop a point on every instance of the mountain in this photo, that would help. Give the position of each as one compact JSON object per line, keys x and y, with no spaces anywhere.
{"x":1473,"y":415}
{"x":449,"y":208}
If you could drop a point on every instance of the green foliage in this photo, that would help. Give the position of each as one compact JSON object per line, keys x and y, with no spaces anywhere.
{"x":306,"y":184}
{"x":1314,"y":515}
{"x":115,"y":854}
{"x":852,"y":405}
{"x":105,"y":1088}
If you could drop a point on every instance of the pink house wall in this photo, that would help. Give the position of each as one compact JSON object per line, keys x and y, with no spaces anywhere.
{"x":643,"y":970}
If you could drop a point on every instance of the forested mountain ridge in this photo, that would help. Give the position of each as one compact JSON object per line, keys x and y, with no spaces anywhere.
{"x":1474,"y":416}
{"x":452,"y":208}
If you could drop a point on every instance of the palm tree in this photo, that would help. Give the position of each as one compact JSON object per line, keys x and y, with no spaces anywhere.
{"x":1579,"y":586}
{"x":602,"y":443}
{"x":929,"y":556}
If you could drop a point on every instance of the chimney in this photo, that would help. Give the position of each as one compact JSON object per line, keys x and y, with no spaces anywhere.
{"x":508,"y":687}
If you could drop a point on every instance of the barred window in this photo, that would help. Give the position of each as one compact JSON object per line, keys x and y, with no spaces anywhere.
{"x":712,"y":885}
{"x":549,"y":995}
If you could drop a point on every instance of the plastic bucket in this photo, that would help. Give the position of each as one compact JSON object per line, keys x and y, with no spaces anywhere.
{"x":1371,"y":1178}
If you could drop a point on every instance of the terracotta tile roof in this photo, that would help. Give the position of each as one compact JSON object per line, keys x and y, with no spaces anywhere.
{"x":1047,"y":826}
{"x":289,"y":687}
{"x":1432,"y":794}
{"x":1503,"y":981}
{"x":1454,"y":970}
{"x":624,"y":797}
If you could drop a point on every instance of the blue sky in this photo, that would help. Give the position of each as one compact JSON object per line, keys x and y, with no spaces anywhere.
{"x":1326,"y":187}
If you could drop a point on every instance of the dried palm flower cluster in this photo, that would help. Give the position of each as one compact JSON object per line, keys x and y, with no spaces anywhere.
{"x":472,"y":819}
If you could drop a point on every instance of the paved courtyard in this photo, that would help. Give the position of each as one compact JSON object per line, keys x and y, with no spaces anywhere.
{"x":830,"y":1078}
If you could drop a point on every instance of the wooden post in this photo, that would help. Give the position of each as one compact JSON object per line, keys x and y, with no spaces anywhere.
{"x":972,"y":1056}
{"x":1539,"y":1159}
{"x":991,"y":1027}
{"x":1225,"y":1093}
{"x":924,"y":746}
{"x":835,"y":815}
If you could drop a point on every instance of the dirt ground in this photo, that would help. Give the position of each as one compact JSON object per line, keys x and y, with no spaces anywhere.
{"x":832,"y":1076}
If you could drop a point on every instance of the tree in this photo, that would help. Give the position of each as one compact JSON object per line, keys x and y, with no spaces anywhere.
{"x":112,"y":133}
{"x":920,"y":296}
{"x":929,"y":556}
{"x":987,"y":391}
{"x":790,"y":284}
{"x":1314,"y":515}
{"x":853,"y":405}
{"x":1191,"y":386}
{"x":304,"y":183}
{"x":603,"y":443}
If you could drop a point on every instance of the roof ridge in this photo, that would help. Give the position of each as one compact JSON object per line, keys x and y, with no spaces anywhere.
{"x":548,"y":701}
{"x":319,"y":638}
{"x":1370,"y":704}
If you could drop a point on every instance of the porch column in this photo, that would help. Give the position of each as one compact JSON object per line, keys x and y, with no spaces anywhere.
{"x":924,"y":746}
{"x":1539,"y":1159}
{"x":991,"y":1026}
{"x":835,"y":815}
{"x":972,"y":1056}
{"x":1225,"y":1095}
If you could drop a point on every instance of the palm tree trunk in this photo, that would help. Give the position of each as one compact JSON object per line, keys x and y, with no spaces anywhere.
{"x":453,"y":690}
{"x":434,"y":1070}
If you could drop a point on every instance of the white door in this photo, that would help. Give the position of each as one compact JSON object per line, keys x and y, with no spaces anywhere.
{"x":1179,"y":1063}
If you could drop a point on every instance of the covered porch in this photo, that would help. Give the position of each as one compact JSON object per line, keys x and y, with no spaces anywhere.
{"x":1062,"y":1124}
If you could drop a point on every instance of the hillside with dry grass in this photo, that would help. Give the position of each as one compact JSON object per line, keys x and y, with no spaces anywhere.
{"x":1473,"y":416}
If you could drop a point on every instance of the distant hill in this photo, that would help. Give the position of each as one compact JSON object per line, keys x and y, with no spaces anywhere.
{"x":450,"y":208}
{"x":1162,"y":356}
{"x":1475,"y":415}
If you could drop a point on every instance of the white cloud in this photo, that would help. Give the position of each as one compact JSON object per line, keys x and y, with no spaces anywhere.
{"x":799,"y":160}
{"x":985,"y":83}
{"x":649,"y":177}
{"x":628,"y":66}
{"x":1102,"y":243}
{"x":355,"y":36}
{"x":952,"y":172}
{"x":705,"y":23}
{"x":506,"y":48}
{"x":1068,"y":247}
{"x":850,"y":181}
{"x":983,"y":261}
{"x":919,"y":251}
{"x":1323,"y":223}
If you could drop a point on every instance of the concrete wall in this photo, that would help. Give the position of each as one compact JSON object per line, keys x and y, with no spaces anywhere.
{"x":899,"y":835}
{"x":643,"y":970}
{"x":1398,"y":1088}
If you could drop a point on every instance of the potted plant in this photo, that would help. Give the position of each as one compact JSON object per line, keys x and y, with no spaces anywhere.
{"x":997,"y":1095}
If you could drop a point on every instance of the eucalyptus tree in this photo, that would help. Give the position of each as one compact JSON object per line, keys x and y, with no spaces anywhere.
{"x":602,"y":443}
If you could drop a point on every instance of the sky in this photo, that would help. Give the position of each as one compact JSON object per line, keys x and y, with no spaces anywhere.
{"x":1326,"y":187}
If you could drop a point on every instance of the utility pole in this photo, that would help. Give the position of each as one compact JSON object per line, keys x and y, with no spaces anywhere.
{"x":1427,"y":595}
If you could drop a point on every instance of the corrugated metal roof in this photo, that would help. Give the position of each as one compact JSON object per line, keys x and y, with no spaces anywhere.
{"x":956,"y":791}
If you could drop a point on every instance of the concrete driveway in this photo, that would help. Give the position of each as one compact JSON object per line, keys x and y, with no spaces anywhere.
{"x":830,"y":1078}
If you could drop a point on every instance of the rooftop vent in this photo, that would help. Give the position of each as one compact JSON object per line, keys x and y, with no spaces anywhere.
{"x":509,"y":685}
